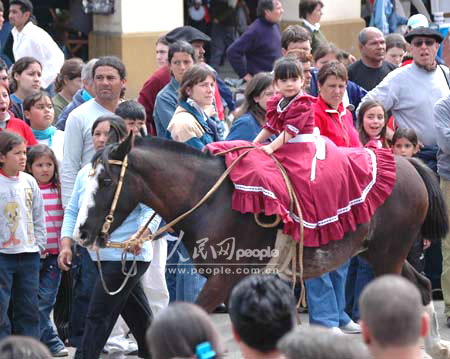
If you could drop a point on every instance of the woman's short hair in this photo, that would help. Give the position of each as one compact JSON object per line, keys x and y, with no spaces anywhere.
{"x":192,"y":77}
{"x":306,"y":7}
{"x":178,"y":329}
{"x":333,"y":68}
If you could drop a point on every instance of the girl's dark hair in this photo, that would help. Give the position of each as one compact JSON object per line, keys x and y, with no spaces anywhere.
{"x":19,"y":347}
{"x":407,"y":133}
{"x":20,"y":66}
{"x":38,"y":151}
{"x":30,"y":100}
{"x":257,"y":85}
{"x":192,"y":77}
{"x":71,"y":69}
{"x":118,"y":128}
{"x":366,"y":106}
{"x":178,"y":329}
{"x":7,"y":142}
{"x":287,"y":68}
{"x":333,"y":68}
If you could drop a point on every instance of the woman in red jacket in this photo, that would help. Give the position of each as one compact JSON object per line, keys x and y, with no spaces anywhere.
{"x":331,"y":117}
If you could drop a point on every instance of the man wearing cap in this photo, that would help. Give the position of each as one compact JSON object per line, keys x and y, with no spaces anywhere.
{"x":411,"y":92}
{"x":31,"y":40}
{"x":260,"y":45}
{"x":372,"y":67}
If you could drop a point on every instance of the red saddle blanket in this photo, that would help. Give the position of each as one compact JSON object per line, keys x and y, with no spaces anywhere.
{"x":348,"y":186}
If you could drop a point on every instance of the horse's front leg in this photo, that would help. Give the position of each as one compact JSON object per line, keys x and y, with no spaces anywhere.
{"x":217,"y":290}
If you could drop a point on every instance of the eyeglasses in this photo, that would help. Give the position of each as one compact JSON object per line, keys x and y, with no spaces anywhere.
{"x":419,"y":43}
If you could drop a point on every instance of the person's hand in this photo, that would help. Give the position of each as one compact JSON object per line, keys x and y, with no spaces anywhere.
{"x":267,"y":149}
{"x":135,"y":249}
{"x":426,"y":244}
{"x":247,"y":78}
{"x":65,"y":259}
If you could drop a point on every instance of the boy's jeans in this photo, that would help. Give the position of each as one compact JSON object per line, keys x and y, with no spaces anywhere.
{"x":19,"y":280}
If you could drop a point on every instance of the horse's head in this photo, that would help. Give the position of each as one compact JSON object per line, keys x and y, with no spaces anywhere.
{"x":104,"y":208}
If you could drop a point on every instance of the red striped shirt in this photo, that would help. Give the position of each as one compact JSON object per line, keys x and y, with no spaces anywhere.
{"x":54,"y":215}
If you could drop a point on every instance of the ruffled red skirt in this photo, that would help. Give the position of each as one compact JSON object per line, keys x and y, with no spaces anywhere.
{"x":349,"y":185}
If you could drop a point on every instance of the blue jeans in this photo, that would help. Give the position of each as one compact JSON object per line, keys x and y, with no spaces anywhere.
{"x":84,"y":277}
{"x":19,"y":283}
{"x":189,"y":283}
{"x":50,"y":277}
{"x":171,"y":270}
{"x":326,"y":298}
{"x":360,"y":273}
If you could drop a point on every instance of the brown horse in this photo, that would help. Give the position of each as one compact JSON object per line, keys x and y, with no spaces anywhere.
{"x":171,"y":178}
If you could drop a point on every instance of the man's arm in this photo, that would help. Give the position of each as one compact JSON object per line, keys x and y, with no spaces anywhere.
{"x":386,"y":93}
{"x":441,"y":116}
{"x":73,"y":149}
{"x":237,"y":52}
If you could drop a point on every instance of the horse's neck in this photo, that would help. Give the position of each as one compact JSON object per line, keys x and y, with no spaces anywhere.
{"x":173,"y":184}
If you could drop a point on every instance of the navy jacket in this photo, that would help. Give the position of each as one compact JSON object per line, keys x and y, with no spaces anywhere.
{"x":257,"y":49}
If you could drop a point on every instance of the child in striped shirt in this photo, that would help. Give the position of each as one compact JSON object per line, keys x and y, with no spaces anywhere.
{"x":43,"y":166}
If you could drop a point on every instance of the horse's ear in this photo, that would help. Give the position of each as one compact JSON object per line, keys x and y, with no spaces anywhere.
{"x":124,"y":147}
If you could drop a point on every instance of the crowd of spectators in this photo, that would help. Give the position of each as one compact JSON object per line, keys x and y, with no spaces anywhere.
{"x":395,"y":96}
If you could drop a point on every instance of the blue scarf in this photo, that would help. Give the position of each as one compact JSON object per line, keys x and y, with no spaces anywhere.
{"x":45,"y":134}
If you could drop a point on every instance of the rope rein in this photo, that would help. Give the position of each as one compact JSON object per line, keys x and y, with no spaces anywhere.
{"x":138,"y":238}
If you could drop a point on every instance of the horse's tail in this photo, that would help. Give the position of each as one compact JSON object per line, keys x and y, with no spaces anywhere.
{"x":436,"y":224}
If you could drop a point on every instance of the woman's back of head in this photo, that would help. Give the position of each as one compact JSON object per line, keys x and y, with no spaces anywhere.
{"x":179,"y":329}
{"x":19,"y":347}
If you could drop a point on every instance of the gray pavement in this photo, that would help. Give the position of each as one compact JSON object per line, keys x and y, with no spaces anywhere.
{"x":222,"y":323}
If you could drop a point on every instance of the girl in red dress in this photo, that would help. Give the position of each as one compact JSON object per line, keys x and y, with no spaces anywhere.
{"x":337,"y":188}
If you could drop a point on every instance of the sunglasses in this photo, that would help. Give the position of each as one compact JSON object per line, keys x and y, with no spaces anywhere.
{"x":419,"y":43}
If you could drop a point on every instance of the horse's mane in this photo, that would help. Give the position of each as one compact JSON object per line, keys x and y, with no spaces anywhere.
{"x":152,"y":143}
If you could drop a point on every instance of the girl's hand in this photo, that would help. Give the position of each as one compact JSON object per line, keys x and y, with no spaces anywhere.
{"x":65,"y":259}
{"x":267,"y":149}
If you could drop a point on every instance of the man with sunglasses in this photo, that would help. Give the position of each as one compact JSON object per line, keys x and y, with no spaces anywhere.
{"x":411,"y":92}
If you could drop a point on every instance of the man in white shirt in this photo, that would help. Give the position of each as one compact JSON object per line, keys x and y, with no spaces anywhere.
{"x":109,"y":79}
{"x":31,"y":40}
